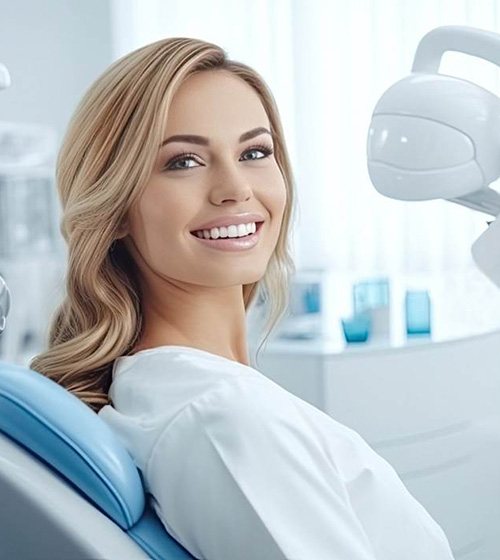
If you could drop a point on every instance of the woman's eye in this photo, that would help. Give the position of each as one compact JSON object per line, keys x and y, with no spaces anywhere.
{"x":266,"y":151}
{"x":178,"y":159}
{"x":171,"y":166}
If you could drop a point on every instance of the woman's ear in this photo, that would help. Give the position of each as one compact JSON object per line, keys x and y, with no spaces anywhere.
{"x":122,"y":231}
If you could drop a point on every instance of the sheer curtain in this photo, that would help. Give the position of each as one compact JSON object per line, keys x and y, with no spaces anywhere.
{"x":327,"y":63}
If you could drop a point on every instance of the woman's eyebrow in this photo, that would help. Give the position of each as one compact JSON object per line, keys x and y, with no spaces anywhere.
{"x":195,"y":139}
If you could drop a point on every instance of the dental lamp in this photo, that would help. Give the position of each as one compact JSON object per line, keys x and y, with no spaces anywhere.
{"x":436,"y":136}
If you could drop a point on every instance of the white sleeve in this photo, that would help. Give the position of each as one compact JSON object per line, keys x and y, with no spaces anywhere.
{"x":240,"y":474}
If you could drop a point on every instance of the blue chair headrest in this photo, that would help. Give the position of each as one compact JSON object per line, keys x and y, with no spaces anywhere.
{"x":59,"y":428}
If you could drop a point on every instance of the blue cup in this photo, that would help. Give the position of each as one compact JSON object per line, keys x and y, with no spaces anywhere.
{"x":418,"y":312}
{"x":357,"y":327}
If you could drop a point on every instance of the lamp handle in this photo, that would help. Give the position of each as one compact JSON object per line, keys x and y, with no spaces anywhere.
{"x":476,"y":42}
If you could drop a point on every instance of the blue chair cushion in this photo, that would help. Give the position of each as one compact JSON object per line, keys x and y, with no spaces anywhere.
{"x":70,"y":437}
{"x":150,"y":534}
{"x":59,"y":428}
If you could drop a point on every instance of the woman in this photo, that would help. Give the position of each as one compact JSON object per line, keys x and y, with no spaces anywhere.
{"x":152,"y":336}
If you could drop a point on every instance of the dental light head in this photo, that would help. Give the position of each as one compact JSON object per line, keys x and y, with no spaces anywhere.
{"x":436,"y":136}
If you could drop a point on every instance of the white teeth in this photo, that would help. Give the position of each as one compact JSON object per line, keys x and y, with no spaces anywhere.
{"x":240,"y":230}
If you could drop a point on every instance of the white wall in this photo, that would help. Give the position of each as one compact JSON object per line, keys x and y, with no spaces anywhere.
{"x":53,"y":49}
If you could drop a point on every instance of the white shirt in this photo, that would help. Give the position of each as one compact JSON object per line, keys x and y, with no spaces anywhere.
{"x":240,"y":468}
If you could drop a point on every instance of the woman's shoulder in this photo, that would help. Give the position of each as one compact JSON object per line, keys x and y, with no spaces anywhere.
{"x":209,"y":389}
{"x":245,"y":404}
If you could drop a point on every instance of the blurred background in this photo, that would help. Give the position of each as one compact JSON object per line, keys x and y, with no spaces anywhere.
{"x":327,"y":63}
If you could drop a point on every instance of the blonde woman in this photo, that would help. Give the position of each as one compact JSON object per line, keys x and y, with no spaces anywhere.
{"x":177,"y":196}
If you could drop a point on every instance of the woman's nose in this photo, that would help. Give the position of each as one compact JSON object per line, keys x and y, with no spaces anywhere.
{"x":231,"y":184}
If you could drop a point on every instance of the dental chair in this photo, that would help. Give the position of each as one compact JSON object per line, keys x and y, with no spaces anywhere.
{"x":68,"y":488}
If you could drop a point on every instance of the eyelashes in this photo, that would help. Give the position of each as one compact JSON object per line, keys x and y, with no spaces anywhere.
{"x":184,"y":156}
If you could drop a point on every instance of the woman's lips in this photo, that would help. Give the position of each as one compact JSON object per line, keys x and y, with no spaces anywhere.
{"x":257,"y":224}
{"x":233,"y":243}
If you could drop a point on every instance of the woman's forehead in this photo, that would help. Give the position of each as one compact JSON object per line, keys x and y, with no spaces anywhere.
{"x":205,"y":102}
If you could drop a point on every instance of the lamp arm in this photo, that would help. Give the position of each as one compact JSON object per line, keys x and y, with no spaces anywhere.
{"x":483,"y":200}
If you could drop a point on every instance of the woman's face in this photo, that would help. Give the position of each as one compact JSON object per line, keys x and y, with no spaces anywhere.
{"x":224,"y":177}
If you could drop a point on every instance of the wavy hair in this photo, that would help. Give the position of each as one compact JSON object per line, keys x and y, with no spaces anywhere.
{"x":106,"y":158}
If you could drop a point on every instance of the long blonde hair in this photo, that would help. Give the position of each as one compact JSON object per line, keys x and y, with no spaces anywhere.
{"x":106,"y":157}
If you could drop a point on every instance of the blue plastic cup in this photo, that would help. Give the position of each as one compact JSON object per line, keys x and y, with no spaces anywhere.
{"x":418,"y":312}
{"x":357,"y":327}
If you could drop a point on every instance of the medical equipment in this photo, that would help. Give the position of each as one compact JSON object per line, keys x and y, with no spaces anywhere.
{"x":30,"y":241}
{"x":4,"y":291}
{"x":4,"y":77}
{"x":436,"y":136}
{"x":4,"y":303}
{"x":69,"y":488}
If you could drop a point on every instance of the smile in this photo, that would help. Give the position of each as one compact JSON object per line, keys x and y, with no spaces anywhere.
{"x":232,"y":243}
